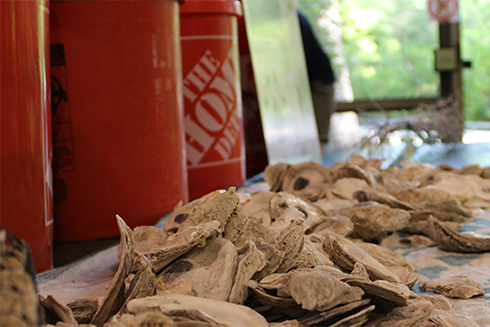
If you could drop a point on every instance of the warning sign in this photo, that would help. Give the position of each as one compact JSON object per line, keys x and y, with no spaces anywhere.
{"x":444,"y":11}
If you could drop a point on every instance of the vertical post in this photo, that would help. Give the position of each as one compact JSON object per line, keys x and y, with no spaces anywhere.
{"x":451,"y":80}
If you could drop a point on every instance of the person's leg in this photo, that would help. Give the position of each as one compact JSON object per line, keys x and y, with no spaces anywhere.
{"x":322,"y":95}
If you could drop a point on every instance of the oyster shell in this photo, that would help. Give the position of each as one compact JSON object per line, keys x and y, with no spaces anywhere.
{"x":279,"y":282}
{"x":349,"y":169}
{"x":360,"y":271}
{"x":366,"y":163}
{"x":452,"y":205}
{"x":285,"y":323}
{"x":145,"y":319}
{"x":285,"y":207}
{"x":62,"y":312}
{"x":373,"y":221}
{"x":444,"y":318}
{"x":171,"y":319}
{"x":472,"y":170}
{"x":307,"y":180}
{"x":417,"y":240}
{"x":83,"y":310}
{"x":319,"y":244}
{"x":181,"y":242}
{"x":317,"y":290}
{"x":341,"y":225}
{"x":215,"y":206}
{"x":142,"y":285}
{"x":393,"y":293}
{"x":236,"y":223}
{"x":181,"y":212}
{"x":274,"y":175}
{"x":448,"y":240}
{"x":315,"y":318}
{"x":346,"y":253}
{"x":406,"y":316}
{"x":115,"y":295}
{"x":394,"y":261}
{"x":438,"y":301}
{"x":147,"y":237}
{"x":357,"y":318}
{"x":210,"y":269}
{"x":250,"y":261}
{"x":422,"y":215}
{"x":460,"y":287}
{"x":346,"y":188}
{"x":383,"y":198}
{"x":258,"y":207}
{"x":332,"y":202}
{"x":312,"y":254}
{"x":414,"y":171}
{"x":286,"y":305}
{"x":265,"y":240}
{"x":389,"y":181}
{"x":290,"y":243}
{"x":421,"y":196}
{"x":463,"y":187}
{"x":225,"y":313}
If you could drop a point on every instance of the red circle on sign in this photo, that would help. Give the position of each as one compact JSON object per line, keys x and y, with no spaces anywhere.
{"x":443,"y":10}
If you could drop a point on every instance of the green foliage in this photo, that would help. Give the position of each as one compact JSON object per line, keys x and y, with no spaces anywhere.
{"x":388,"y":48}
{"x":315,"y":11}
{"x":475,"y":47}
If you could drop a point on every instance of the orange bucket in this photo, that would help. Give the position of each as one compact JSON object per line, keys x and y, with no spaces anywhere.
{"x":212,"y":95}
{"x":26,"y":193}
{"x":118,"y":140}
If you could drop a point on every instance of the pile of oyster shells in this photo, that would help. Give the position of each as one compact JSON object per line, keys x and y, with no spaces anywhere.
{"x":304,"y":253}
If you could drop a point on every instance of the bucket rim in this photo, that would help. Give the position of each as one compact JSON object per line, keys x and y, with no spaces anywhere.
{"x":179,"y":1}
{"x":231,"y":7}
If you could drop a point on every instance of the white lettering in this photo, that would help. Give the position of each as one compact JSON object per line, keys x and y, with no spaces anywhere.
{"x":225,"y":89}
{"x":210,"y":62}
{"x":217,"y":122}
{"x":227,"y":69}
{"x":223,"y":147}
{"x":199,"y":141}
{"x":200,"y":75}
{"x":196,"y":80}
{"x":229,"y":138}
{"x":211,"y":112}
{"x":188,"y":93}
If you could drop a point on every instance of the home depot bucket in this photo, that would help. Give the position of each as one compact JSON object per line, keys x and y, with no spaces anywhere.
{"x":212,"y":95}
{"x":26,"y":193}
{"x":118,"y":137}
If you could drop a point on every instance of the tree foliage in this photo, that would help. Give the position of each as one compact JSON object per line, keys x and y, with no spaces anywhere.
{"x":475,"y":47}
{"x":388,"y":48}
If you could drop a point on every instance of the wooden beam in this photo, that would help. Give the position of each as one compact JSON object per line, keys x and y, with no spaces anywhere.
{"x":398,"y":104}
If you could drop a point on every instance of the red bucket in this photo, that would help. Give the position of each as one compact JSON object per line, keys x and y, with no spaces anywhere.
{"x":212,"y":95}
{"x":118,"y":139}
{"x":26,"y":193}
